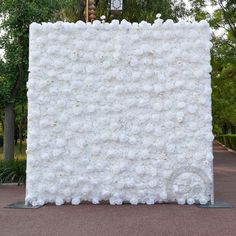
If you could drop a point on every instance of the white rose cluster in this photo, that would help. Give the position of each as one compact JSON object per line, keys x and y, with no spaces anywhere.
{"x":119,"y":112}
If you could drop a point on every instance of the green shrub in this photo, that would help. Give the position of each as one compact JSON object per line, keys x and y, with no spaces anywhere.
{"x":233,"y":142}
{"x":229,"y":140}
{"x":13,"y":171}
{"x":1,"y":140}
{"x":220,"y":139}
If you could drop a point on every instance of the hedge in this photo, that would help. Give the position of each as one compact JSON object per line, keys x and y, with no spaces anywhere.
{"x":13,"y":171}
{"x":229,"y":140}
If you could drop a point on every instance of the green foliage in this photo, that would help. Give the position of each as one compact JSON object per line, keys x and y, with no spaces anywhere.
{"x":180,"y":9}
{"x":198,"y":10}
{"x":1,"y":140}
{"x":5,"y":90}
{"x":138,"y":10}
{"x":224,"y":66}
{"x":228,"y":140}
{"x":73,"y":10}
{"x":13,"y":171}
{"x":17,"y":15}
{"x":225,"y":16}
{"x":21,"y":119}
{"x":133,"y":10}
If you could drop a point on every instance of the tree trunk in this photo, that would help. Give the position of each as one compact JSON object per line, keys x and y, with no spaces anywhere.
{"x":9,"y":129}
{"x":20,"y":138}
{"x":21,"y":131}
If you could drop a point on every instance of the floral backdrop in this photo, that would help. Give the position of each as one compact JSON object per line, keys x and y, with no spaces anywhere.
{"x":119,"y":112}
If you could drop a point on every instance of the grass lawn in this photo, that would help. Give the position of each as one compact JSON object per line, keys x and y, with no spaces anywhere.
{"x":17,"y":155}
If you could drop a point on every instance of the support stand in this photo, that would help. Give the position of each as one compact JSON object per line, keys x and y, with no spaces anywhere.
{"x":21,"y":205}
{"x":216,"y":204}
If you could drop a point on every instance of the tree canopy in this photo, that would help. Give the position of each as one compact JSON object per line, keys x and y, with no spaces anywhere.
{"x":223,"y":22}
{"x":16,"y":16}
{"x":133,"y":10}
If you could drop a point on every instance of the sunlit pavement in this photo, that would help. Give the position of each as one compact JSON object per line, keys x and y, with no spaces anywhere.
{"x":143,"y":220}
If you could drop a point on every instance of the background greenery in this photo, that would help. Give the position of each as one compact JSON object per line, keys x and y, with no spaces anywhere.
{"x":229,"y":140}
{"x":13,"y":171}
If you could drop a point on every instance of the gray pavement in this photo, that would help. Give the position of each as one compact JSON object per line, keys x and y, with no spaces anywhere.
{"x":126,"y":220}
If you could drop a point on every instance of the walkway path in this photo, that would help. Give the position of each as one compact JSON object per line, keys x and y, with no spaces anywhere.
{"x":127,"y":220}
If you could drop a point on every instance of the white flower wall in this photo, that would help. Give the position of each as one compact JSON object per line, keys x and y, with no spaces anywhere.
{"x":119,"y":112}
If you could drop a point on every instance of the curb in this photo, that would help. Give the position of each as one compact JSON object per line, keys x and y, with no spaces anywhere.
{"x":228,"y":149}
{"x":10,"y":184}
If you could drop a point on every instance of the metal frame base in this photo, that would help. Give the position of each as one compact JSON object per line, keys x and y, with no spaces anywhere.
{"x":21,"y":205}
{"x":217,"y":204}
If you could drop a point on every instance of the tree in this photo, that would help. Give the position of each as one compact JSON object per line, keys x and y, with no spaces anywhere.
{"x":198,"y":10}
{"x":223,"y":61}
{"x":133,"y":10}
{"x":180,"y":9}
{"x":16,"y":18}
{"x":74,"y":11}
{"x":224,"y":66}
